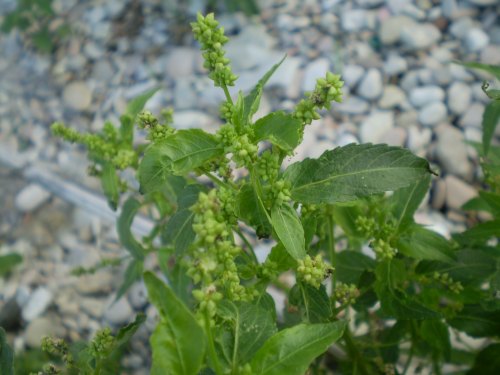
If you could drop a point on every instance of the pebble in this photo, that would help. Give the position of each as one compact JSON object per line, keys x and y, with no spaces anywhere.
{"x":451,"y":151}
{"x":438,"y":194}
{"x":421,"y":96}
{"x":392,"y":97}
{"x":394,"y":65}
{"x":395,"y":137}
{"x":38,"y":302}
{"x":420,"y":36}
{"x":314,"y":70}
{"x":473,"y":116}
{"x":40,"y":327}
{"x":475,"y":40}
{"x":119,"y":312}
{"x":180,"y":62}
{"x":459,"y":97}
{"x":353,"y":105}
{"x":371,"y":85}
{"x":352,"y":74}
{"x":77,"y":96}
{"x":138,"y":295}
{"x":376,"y":125}
{"x":31,"y":197}
{"x":391,"y":29}
{"x":194,"y":119}
{"x":432,"y":114}
{"x":353,"y":20}
{"x":458,"y":192}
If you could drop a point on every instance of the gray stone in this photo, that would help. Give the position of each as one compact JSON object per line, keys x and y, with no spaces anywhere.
{"x":40,"y":327}
{"x":119,"y":312}
{"x":409,"y":81}
{"x":180,"y":62}
{"x":473,"y":116}
{"x":353,"y":20}
{"x":394,"y":137}
{"x":420,"y":36}
{"x":452,"y":152}
{"x":459,"y":97}
{"x":438,"y":194}
{"x":31,"y":197}
{"x":314,"y":70}
{"x":421,"y":96}
{"x":460,"y":27}
{"x":371,"y":85}
{"x":376,"y":125}
{"x":458,"y":192}
{"x":432,"y":114}
{"x":418,"y":139}
{"x":77,"y":96}
{"x":449,"y":8}
{"x":194,"y":119}
{"x":92,"y":306}
{"x":352,"y":74}
{"x":459,"y":73}
{"x":184,"y":94}
{"x":483,"y":2}
{"x":346,"y":138}
{"x":476,"y":39}
{"x":138,"y":295}
{"x":391,"y":29}
{"x":392,"y":97}
{"x":394,"y":65}
{"x":38,"y":302}
{"x":353,"y":105}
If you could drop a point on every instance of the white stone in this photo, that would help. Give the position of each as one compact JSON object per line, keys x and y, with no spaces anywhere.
{"x":352,"y":105}
{"x":40,"y":327}
{"x":353,"y":20}
{"x":38,"y":302}
{"x":180,"y":62}
{"x":352,"y":74}
{"x":390,"y":30}
{"x":31,"y":197}
{"x":138,"y":295}
{"x":418,"y":138}
{"x":459,"y":97}
{"x":346,"y":139}
{"x":77,"y":96}
{"x":392,"y":97}
{"x":394,"y":137}
{"x":432,"y":114}
{"x":119,"y":312}
{"x":452,"y":152}
{"x":483,"y":2}
{"x":473,"y":116}
{"x":314,"y":70}
{"x":420,"y":36}
{"x":476,"y":39}
{"x":421,"y":96}
{"x":194,"y":119}
{"x":376,"y":125}
{"x":371,"y":85}
{"x":458,"y":192}
{"x":395,"y":64}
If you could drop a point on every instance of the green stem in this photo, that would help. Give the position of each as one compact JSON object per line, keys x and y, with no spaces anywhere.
{"x":354,"y":353}
{"x":211,"y":346}
{"x":249,"y":245}
{"x":228,"y":96}
{"x":219,"y":182}
{"x":331,"y":249}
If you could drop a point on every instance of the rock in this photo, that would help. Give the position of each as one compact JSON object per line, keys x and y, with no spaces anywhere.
{"x":31,"y":197}
{"x":352,"y":106}
{"x":491,"y":54}
{"x":40,"y":327}
{"x":390,"y":30}
{"x":394,"y":65}
{"x":119,"y":312}
{"x":459,"y":97}
{"x":452,"y":152}
{"x":420,"y":36}
{"x":438,"y":194}
{"x":353,"y":20}
{"x":473,"y":115}
{"x":376,"y":125}
{"x":352,"y":74}
{"x":476,"y":39}
{"x":92,"y":306}
{"x":77,"y":96}
{"x":138,"y":295}
{"x":100,"y":282}
{"x":194,"y":119}
{"x":421,"y":96}
{"x":394,"y":137}
{"x":287,"y":76}
{"x":392,"y":97}
{"x":483,"y":2}
{"x":180,"y":62}
{"x":314,"y":70}
{"x":184,"y":94}
{"x":432,"y":114}
{"x":459,"y":73}
{"x":346,"y":138}
{"x":458,"y":192}
{"x":371,"y":85}
{"x":38,"y":302}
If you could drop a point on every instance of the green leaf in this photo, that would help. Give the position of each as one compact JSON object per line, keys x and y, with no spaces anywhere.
{"x":421,"y":243}
{"x":110,"y":185}
{"x":354,"y":171}
{"x":281,"y":258}
{"x":279,"y":128}
{"x":250,"y":326}
{"x":154,"y":169}
{"x":42,"y":40}
{"x":487,"y":361}
{"x":492,"y":200}
{"x":132,"y":274}
{"x":178,"y":342}
{"x":125,"y":333}
{"x":405,"y":201}
{"x":477,"y":322}
{"x":436,"y":334}
{"x":250,"y":209}
{"x":136,"y":105}
{"x":491,"y":116}
{"x":179,"y":230}
{"x":481,"y":233}
{"x":8,"y":262}
{"x":350,"y":265}
{"x":289,"y":231}
{"x":291,"y":350}
{"x":314,"y":303}
{"x":6,"y":355}
{"x":476,"y":204}
{"x":492,"y":69}
{"x":252,"y":100}
{"x":127,"y":129}
{"x":124,"y":223}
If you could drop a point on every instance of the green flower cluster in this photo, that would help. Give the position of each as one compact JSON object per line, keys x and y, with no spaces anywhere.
{"x":57,"y":347}
{"x":374,"y":225}
{"x":383,"y":249}
{"x":327,"y":89}
{"x":156,"y":131}
{"x":207,"y":299}
{"x":313,"y":271}
{"x":346,"y":294}
{"x":227,"y":111}
{"x":102,"y":344}
{"x":445,"y":280}
{"x":243,"y":150}
{"x":212,"y":39}
{"x":268,"y":165}
{"x":278,"y":192}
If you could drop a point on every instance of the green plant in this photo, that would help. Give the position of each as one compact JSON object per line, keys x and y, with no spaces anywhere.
{"x":34,"y":19}
{"x":385,"y":312}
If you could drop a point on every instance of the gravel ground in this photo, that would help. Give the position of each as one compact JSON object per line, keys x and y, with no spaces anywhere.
{"x":401,"y":89}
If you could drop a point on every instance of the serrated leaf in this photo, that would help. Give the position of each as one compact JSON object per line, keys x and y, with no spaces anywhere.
{"x":492,"y":69}
{"x":136,"y":105}
{"x":406,"y":201}
{"x":291,"y":350}
{"x":174,"y":336}
{"x":491,"y":116}
{"x":281,"y":258}
{"x":252,"y":100}
{"x":314,"y":303}
{"x":110,"y":185}
{"x":279,"y":128}
{"x":492,"y":200}
{"x":288,"y":228}
{"x":132,"y":274}
{"x":8,"y":262}
{"x":477,"y":322}
{"x":350,"y":265}
{"x":250,"y":326}
{"x":6,"y":355}
{"x":480,"y":233}
{"x":476,"y":204}
{"x":487,"y":361}
{"x":421,"y":243}
{"x":250,"y":209}
{"x":437,"y":336}
{"x":354,"y":171}
{"x":179,"y":230}
{"x":124,"y":223}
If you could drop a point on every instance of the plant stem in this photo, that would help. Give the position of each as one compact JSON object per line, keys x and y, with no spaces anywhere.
{"x":211,"y":346}
{"x":331,"y":248}
{"x":226,"y":92}
{"x":218,"y":181}
{"x":249,"y":245}
{"x":354,"y":353}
